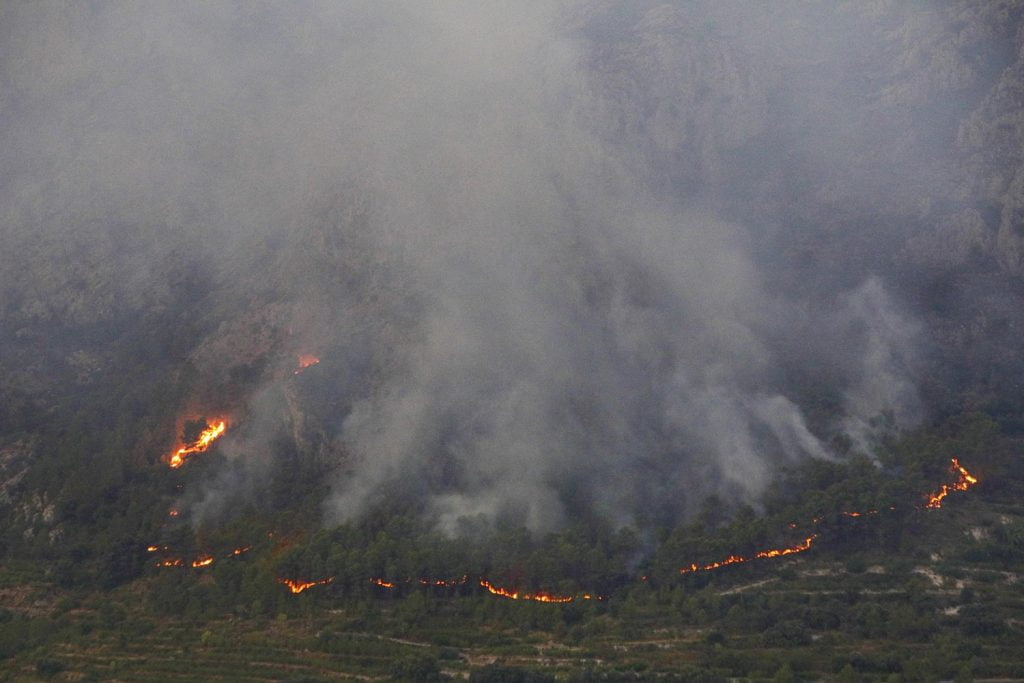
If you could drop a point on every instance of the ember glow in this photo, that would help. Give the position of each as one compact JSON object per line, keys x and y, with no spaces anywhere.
{"x":206,"y":438}
{"x":238,"y":551}
{"x":305,"y":360}
{"x":762,"y":554}
{"x":441,"y":583}
{"x":859,"y":514}
{"x":170,"y":562}
{"x":964,"y":481}
{"x":297,"y":587}
{"x":540,"y":596}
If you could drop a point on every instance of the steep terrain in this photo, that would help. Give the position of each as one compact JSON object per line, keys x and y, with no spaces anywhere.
{"x":556,"y":298}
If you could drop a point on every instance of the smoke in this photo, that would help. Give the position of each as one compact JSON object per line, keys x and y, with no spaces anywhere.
{"x":541,"y":286}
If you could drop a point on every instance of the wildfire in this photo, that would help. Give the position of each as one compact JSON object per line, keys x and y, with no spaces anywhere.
{"x":305,"y":360}
{"x":206,"y":438}
{"x":762,"y":554}
{"x":441,"y":583}
{"x":202,"y":561}
{"x":298,"y":586}
{"x":539,"y":596}
{"x":964,"y":481}
{"x":516,"y":595}
{"x":859,"y":514}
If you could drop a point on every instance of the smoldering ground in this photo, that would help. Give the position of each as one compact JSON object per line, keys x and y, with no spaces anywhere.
{"x":551,"y":300}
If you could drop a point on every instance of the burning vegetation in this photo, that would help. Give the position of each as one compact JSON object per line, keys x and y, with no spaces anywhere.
{"x":762,"y":554}
{"x":539,"y":596}
{"x":202,"y":443}
{"x":964,"y":481}
{"x":305,"y":361}
{"x":511,"y":594}
{"x":296,"y":586}
{"x":202,"y":561}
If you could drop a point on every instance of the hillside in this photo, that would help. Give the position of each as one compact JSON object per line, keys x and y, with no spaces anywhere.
{"x":607,"y":341}
{"x":943,"y":604}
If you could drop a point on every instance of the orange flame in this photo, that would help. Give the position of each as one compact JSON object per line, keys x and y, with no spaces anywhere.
{"x":516,"y":595}
{"x":382,"y":583}
{"x":152,"y":548}
{"x":297,"y":587}
{"x":202,"y":561}
{"x":762,"y":554}
{"x":238,"y":551}
{"x":964,"y":481}
{"x":305,"y":360}
{"x":206,"y":438}
{"x":170,"y":562}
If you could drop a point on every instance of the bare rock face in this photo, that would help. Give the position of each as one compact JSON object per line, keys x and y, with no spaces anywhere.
{"x":14,"y":465}
{"x":848,"y":111}
{"x":1010,"y":242}
{"x":992,"y":141}
{"x":37,"y":513}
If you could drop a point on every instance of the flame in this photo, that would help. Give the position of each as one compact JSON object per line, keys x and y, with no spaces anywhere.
{"x":540,"y":596}
{"x":297,"y":587}
{"x":441,"y":583}
{"x":761,"y":554}
{"x":202,"y":561}
{"x":859,"y":514}
{"x":206,"y":438}
{"x":305,"y":360}
{"x":173,"y":512}
{"x":965,"y":480}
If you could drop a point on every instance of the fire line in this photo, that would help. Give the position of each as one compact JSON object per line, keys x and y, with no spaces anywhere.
{"x":965,"y":480}
{"x":205,"y":440}
{"x":297,"y":587}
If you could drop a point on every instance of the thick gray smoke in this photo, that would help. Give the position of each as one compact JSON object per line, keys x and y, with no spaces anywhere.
{"x":544,"y":282}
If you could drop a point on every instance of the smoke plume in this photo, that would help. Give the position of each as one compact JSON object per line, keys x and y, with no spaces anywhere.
{"x":557,"y":257}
